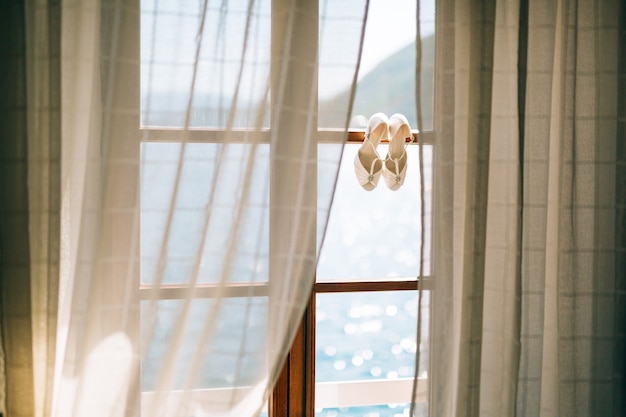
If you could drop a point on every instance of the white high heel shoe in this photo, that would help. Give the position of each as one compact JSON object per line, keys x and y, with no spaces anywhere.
{"x":368,"y":166}
{"x":394,"y":168}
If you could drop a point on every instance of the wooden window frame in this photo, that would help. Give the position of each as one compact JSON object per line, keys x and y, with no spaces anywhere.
{"x":294,"y":392}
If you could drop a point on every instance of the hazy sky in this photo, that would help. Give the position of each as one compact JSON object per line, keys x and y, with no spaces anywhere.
{"x":169,"y":42}
{"x":390,"y":27}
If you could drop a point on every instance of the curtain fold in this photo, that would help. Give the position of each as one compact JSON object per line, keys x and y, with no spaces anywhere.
{"x":174,"y":210}
{"x":17,"y":355}
{"x":43,"y":41}
{"x":528,"y":305}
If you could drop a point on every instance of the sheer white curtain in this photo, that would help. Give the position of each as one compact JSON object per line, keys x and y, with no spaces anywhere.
{"x":528,"y":298}
{"x":175,"y":212}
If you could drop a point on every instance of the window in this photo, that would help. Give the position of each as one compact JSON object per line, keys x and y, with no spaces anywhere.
{"x":334,"y":362}
{"x":355,"y":351}
{"x":181,"y":163}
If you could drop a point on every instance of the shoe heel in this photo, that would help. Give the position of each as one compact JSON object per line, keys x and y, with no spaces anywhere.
{"x":395,"y":164}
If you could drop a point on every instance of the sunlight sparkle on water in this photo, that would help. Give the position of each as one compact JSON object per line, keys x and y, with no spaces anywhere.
{"x":357,"y":360}
{"x":391,"y":310}
{"x":376,"y":371}
{"x":408,"y":344}
{"x":405,"y":371}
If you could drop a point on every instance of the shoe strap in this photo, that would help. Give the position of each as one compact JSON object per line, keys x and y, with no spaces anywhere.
{"x":367,"y":140}
{"x":397,"y":160}
{"x":373,"y":165}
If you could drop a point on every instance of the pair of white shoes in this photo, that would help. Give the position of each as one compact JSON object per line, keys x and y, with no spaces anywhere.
{"x":368,"y":165}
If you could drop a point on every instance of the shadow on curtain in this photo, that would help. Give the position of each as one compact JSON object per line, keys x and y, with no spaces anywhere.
{"x":528,"y":306}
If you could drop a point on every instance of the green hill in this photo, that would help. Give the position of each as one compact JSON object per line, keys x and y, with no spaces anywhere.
{"x":388,"y":88}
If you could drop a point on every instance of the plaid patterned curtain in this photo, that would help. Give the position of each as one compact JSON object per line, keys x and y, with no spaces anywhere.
{"x":529,"y":304}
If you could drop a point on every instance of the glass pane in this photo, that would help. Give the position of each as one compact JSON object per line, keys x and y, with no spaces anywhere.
{"x":169,"y":46}
{"x":383,"y":410}
{"x":338,"y":20}
{"x":386,"y":81}
{"x":197,"y":234}
{"x":368,"y":336}
{"x":237,"y":342}
{"x":374,"y":235}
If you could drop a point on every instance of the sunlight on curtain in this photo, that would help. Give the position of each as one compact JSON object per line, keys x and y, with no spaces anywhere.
{"x":189,"y":213}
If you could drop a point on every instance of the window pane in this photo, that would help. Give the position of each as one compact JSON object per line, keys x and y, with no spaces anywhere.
{"x":368,"y":336}
{"x":386,"y":80}
{"x":338,"y":20}
{"x":384,"y":410}
{"x":169,"y":45}
{"x":374,"y":235}
{"x":194,"y":230}
{"x":238,"y":340}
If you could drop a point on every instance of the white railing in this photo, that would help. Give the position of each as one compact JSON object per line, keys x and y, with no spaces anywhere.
{"x":368,"y":392}
{"x":327,"y":395}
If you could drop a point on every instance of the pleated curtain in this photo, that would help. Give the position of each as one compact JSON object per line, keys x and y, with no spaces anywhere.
{"x":528,"y":300}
